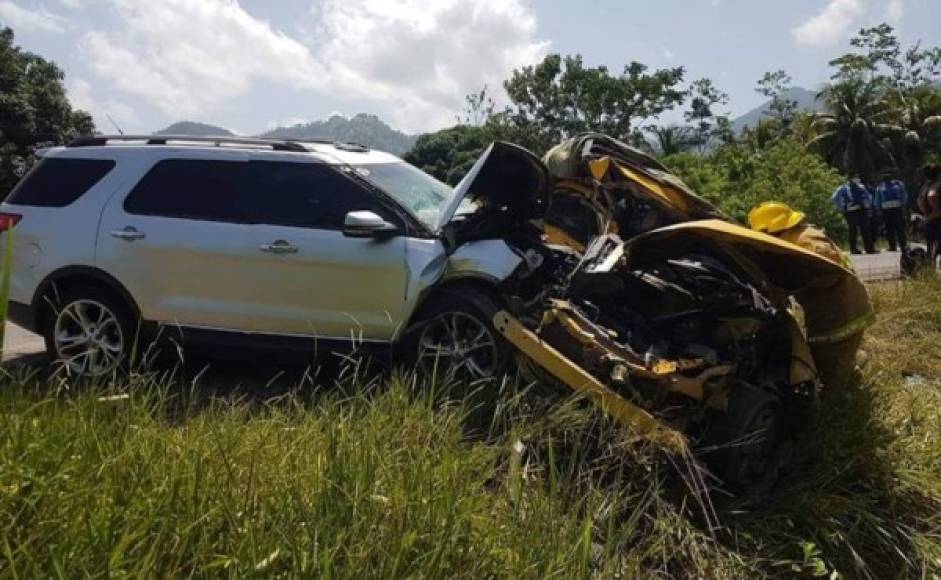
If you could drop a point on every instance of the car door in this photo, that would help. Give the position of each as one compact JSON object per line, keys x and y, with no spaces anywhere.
{"x":310,"y":278}
{"x":180,"y":239}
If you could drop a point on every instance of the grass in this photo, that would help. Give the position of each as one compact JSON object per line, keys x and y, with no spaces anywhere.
{"x":154,"y":477}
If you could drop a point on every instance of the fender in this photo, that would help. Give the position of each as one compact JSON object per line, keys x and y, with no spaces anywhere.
{"x":89,"y":272}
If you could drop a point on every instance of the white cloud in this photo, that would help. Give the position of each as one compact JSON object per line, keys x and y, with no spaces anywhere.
{"x":414,"y":58}
{"x":668,"y":54}
{"x":81,"y":96}
{"x":895,"y":11}
{"x":187,"y":57}
{"x":33,"y":20}
{"x":831,"y":25}
{"x":422,"y":57}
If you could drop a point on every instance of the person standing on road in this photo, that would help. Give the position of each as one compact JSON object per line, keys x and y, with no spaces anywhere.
{"x":929,"y":203}
{"x":892,"y":201}
{"x":854,"y":201}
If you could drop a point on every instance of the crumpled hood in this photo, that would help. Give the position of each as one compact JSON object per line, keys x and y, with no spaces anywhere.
{"x":835,"y":301}
{"x":505,"y":175}
{"x":572,"y":159}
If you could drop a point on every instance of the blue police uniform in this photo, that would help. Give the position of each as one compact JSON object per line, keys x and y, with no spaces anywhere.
{"x":892,"y":200}
{"x":854,"y":201}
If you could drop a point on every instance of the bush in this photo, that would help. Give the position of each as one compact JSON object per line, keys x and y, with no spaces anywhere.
{"x":737,"y":179}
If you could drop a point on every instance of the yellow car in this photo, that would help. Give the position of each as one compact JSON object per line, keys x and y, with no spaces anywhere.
{"x":637,"y":293}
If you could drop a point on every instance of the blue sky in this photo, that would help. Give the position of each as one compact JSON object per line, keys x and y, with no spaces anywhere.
{"x":253,"y":64}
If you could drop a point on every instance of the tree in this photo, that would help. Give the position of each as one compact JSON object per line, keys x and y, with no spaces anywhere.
{"x":888,"y":107}
{"x":856,"y":132}
{"x":737,"y":178}
{"x":704,"y":97}
{"x":449,"y":153}
{"x":558,"y":98}
{"x":918,"y":115}
{"x":782,"y":110}
{"x":34,"y":110}
{"x":478,"y":108}
{"x":885,"y":63}
{"x":670,"y":140}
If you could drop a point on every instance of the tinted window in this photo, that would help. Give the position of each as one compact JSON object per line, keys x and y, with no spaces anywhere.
{"x":307,"y":195}
{"x":192,"y":189}
{"x":57,"y":182}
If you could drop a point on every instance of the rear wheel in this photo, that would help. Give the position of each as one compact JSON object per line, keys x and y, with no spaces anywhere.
{"x":89,"y":331}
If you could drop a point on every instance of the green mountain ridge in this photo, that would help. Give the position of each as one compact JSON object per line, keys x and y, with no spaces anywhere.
{"x":195,"y":129}
{"x":364,"y":129}
{"x":806,"y":101}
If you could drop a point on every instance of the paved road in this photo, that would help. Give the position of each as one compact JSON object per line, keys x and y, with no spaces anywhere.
{"x":882,"y":266}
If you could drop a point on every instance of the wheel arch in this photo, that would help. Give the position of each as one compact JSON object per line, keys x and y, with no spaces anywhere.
{"x":482,"y":284}
{"x":74,"y":276}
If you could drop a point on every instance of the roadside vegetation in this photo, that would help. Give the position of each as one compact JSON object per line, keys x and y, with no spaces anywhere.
{"x":880,"y":111}
{"x":361,"y":477}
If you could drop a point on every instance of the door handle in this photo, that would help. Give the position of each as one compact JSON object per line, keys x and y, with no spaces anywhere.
{"x":128,"y":234}
{"x":279,"y":247}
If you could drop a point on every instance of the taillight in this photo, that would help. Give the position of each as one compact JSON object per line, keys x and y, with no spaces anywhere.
{"x":9,"y":220}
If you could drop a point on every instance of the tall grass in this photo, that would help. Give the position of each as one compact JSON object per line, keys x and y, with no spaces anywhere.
{"x":5,"y":273}
{"x":150,"y":477}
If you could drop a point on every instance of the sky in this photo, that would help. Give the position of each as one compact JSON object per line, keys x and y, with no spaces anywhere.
{"x":250,"y":65}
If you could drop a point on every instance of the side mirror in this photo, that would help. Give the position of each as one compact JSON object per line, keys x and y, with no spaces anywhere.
{"x":367,"y":224}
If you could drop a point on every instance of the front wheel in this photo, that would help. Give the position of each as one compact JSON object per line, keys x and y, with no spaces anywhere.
{"x":749,"y":439}
{"x":455,"y":334}
{"x":89,"y":332}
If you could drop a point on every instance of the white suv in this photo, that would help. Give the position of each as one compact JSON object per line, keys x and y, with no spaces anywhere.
{"x":227,"y":238}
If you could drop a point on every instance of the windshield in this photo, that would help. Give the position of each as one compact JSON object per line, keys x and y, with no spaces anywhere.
{"x":421,"y":194}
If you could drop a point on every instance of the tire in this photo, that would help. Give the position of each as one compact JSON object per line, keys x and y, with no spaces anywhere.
{"x":454,"y":330}
{"x":89,"y":331}
{"x":749,"y":440}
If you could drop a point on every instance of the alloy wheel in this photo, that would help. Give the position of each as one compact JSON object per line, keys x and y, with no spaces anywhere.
{"x":88,"y":338}
{"x":461,"y":341}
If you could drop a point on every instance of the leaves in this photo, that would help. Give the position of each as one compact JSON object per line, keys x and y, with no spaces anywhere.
{"x":562,"y":97}
{"x":34,"y":110}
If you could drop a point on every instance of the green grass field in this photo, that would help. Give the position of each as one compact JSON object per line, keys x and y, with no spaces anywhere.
{"x":156,"y":478}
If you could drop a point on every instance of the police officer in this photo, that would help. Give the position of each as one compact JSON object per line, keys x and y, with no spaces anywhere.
{"x":892,"y":200}
{"x":854,"y":201}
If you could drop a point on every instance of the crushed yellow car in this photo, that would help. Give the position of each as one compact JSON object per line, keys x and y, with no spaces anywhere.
{"x":643,"y":297}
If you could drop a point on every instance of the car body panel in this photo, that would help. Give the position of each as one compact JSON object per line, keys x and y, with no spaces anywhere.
{"x":833,"y":296}
{"x":609,"y":158}
{"x":836,"y":303}
{"x":504,"y":175}
{"x":48,"y":239}
{"x":489,"y":260}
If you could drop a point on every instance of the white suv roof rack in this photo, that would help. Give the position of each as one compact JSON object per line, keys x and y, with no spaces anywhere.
{"x":216,"y":141}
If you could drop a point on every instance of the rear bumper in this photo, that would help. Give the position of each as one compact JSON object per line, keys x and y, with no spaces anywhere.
{"x":21,"y":315}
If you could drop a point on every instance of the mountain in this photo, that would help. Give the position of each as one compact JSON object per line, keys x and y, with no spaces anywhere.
{"x":364,"y":129}
{"x":806,"y":100}
{"x":195,"y":129}
{"x":368,"y":130}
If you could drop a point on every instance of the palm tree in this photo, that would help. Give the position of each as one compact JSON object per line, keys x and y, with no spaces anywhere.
{"x":919,"y":115}
{"x":855,"y":134}
{"x":671,"y":140}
